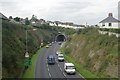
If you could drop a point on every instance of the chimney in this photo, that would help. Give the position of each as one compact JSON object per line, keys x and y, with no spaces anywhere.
{"x":110,"y":15}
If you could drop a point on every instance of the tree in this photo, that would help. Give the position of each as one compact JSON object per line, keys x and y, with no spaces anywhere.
{"x":34,"y":18}
{"x":17,"y":19}
{"x":27,"y":22}
{"x":10,"y":17}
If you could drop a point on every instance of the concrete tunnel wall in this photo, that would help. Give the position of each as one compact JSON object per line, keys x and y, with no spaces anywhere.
{"x":60,"y":37}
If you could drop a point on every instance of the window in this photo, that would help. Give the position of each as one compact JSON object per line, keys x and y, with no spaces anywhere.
{"x":103,"y":24}
{"x":110,"y":24}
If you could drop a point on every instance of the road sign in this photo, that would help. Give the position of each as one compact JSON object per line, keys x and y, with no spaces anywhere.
{"x":27,"y":62}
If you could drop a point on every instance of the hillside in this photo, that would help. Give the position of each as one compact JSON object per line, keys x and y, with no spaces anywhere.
{"x":13,"y":46}
{"x":94,"y":52}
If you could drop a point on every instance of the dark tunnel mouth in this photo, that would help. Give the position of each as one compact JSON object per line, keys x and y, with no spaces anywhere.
{"x":60,"y":38}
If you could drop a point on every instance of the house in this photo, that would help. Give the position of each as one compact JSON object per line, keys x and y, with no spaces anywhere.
{"x":65,"y":24}
{"x":109,"y":22}
{"x":22,"y":21}
{"x":3,"y":17}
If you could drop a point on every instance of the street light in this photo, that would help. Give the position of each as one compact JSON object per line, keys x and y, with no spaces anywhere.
{"x":27,"y":54}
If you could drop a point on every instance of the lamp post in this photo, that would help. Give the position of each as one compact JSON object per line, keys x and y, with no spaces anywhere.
{"x":27,"y":54}
{"x":27,"y":60}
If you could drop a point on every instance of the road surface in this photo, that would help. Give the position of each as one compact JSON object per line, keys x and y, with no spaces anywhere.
{"x":43,"y":70}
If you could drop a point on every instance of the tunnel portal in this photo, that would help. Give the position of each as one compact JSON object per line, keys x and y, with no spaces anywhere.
{"x":60,"y":38}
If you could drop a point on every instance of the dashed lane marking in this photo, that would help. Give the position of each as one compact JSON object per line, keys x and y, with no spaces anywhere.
{"x":60,"y":69}
{"x":64,"y":74}
{"x":58,"y":65}
{"x":48,"y":69}
{"x":50,"y":75}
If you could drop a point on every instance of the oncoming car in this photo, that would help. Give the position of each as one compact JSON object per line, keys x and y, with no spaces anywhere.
{"x":47,"y":46}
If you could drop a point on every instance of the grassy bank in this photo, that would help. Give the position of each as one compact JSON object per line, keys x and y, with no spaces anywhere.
{"x":30,"y":72}
{"x":85,"y":73}
{"x":94,"y":52}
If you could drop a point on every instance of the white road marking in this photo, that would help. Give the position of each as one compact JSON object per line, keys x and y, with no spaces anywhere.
{"x":49,"y":74}
{"x":55,"y":59}
{"x":58,"y":65}
{"x":60,"y":69}
{"x":46,"y":60}
{"x":64,"y":74}
{"x":48,"y":69}
{"x":47,"y":64}
{"x":56,"y":62}
{"x":81,"y":75}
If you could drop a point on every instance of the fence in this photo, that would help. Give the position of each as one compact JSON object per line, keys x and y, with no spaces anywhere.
{"x":109,"y":33}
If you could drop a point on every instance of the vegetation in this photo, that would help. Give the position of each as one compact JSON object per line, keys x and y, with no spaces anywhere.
{"x":111,"y":30}
{"x":13,"y":46}
{"x":96,"y":53}
{"x":30,"y":72}
{"x":17,"y":19}
{"x":27,"y":22}
{"x":85,"y":73}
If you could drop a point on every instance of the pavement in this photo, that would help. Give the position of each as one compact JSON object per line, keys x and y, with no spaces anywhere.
{"x":43,"y":70}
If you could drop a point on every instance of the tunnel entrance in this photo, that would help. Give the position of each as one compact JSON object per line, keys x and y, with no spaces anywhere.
{"x":60,"y":38}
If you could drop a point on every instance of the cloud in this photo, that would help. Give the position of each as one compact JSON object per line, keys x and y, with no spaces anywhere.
{"x":77,"y":11}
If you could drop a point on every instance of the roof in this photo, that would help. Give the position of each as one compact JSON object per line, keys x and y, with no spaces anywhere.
{"x":51,"y":56}
{"x":69,"y":64}
{"x":60,"y":54}
{"x":3,"y":17}
{"x":110,"y":18}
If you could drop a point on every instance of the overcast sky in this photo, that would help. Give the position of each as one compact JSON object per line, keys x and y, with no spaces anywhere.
{"x":76,"y":11}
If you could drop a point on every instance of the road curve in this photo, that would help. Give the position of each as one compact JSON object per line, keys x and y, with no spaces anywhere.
{"x":43,"y":70}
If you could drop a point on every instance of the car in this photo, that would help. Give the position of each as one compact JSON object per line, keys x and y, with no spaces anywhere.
{"x":50,"y":44}
{"x":51,"y":59}
{"x":59,"y":43}
{"x":60,"y":57}
{"x":47,"y":46}
{"x":58,"y":52}
{"x":69,"y":68}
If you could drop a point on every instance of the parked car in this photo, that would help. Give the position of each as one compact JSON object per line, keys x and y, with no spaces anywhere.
{"x":60,"y":57}
{"x":51,"y":59}
{"x":69,"y":68}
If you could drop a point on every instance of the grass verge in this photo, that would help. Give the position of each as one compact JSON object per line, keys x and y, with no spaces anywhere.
{"x":85,"y":73}
{"x":30,"y":72}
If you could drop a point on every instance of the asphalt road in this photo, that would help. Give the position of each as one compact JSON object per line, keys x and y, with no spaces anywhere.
{"x":43,"y":70}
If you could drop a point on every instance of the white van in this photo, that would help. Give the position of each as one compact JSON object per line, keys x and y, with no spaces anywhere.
{"x":60,"y":57}
{"x":69,"y":68}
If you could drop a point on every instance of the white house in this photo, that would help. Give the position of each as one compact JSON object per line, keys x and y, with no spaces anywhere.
{"x":3,"y":17}
{"x":65,"y":24}
{"x":109,"y":22}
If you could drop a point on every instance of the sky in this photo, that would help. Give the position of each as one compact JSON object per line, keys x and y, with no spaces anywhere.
{"x":76,"y":11}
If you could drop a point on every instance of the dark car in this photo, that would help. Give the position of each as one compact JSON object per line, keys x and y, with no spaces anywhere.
{"x":59,"y":43}
{"x":51,"y":59}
